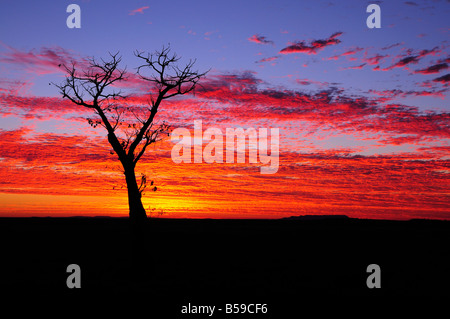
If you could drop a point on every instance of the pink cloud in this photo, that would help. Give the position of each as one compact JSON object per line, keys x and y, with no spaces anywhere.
{"x":42,"y":61}
{"x":270,"y":59}
{"x":138,"y":10}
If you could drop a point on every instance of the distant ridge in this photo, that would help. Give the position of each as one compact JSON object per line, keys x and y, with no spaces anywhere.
{"x":317,"y":217}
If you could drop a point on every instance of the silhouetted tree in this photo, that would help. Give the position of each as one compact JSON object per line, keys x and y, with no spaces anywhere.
{"x":94,"y":88}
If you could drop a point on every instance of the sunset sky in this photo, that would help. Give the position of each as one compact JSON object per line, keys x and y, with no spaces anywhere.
{"x":363,"y":114}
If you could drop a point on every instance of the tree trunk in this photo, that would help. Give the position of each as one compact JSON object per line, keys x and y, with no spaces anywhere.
{"x":138,"y":217}
{"x":137,"y":210}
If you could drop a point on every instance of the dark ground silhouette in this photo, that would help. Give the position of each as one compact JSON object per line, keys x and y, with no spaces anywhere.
{"x":226,"y":261}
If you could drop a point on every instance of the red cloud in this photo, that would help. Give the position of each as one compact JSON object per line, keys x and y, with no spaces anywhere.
{"x":313,"y":47}
{"x":324,"y":110}
{"x":391,"y":94}
{"x":242,"y":98}
{"x":403,"y":62}
{"x":433,"y":69}
{"x":443,"y":79}
{"x":37,"y":107}
{"x":412,"y":59}
{"x":259,"y":39}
